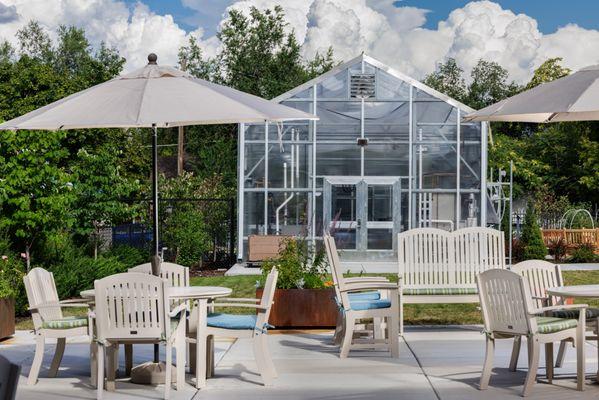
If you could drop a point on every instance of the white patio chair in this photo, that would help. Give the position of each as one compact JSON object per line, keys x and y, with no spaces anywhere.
{"x":354,"y":308}
{"x":48,"y":320}
{"x":363,"y":296}
{"x":238,"y":326}
{"x":175,"y":275}
{"x":509,"y":311}
{"x":542,"y":275}
{"x":131,"y":308}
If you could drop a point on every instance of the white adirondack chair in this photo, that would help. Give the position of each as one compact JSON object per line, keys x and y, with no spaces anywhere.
{"x":175,"y":275}
{"x":237,"y":326}
{"x":542,"y":275}
{"x":384,"y":308}
{"x":371,"y":295}
{"x":437,"y":266}
{"x":131,"y":308}
{"x":48,"y":320}
{"x":509,"y":311}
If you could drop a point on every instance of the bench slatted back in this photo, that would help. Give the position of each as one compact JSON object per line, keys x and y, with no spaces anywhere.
{"x":435,"y":258}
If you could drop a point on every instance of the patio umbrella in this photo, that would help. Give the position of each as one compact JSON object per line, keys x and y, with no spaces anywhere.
{"x":572,"y":98}
{"x":154,"y":97}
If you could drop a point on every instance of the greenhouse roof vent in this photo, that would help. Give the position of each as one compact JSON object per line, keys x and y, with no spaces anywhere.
{"x":362,"y":86}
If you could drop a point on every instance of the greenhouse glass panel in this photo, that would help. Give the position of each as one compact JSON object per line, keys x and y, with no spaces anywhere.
{"x":337,"y":159}
{"x":386,"y":160}
{"x":334,"y":87}
{"x":389,"y":87}
{"x":469,"y":209}
{"x":438,"y":166}
{"x":470,"y":166}
{"x":288,"y":213}
{"x":254,"y":165}
{"x":253,"y":216}
{"x":389,"y":121}
{"x":288,"y":165}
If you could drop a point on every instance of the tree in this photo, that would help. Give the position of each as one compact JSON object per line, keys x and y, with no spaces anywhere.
{"x":192,"y":61}
{"x":489,"y":85}
{"x":448,"y":79}
{"x":532,"y":238}
{"x":549,"y":71}
{"x":34,"y":42}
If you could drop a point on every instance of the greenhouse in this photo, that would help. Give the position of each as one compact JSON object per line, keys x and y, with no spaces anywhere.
{"x":387,"y":154}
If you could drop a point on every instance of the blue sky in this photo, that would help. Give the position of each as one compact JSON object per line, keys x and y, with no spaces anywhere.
{"x":550,"y":14}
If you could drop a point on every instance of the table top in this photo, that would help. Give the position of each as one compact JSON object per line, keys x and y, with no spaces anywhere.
{"x":186,"y":292}
{"x":575,"y":291}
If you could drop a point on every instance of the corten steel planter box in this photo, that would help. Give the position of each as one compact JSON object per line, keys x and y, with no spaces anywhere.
{"x":7,"y":317}
{"x":303,"y":308}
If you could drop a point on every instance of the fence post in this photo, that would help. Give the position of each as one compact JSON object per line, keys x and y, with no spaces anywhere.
{"x":231,"y":231}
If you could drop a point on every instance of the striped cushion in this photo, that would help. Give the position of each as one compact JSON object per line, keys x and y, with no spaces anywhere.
{"x":438,"y":291}
{"x":364,"y":296}
{"x":591,"y":313}
{"x":552,"y":324}
{"x":361,"y":305}
{"x":65,"y":323}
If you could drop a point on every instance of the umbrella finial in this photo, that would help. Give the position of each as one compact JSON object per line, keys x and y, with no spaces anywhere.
{"x":152,"y":58}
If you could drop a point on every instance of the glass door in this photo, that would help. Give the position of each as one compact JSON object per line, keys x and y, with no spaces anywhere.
{"x":344,"y":219}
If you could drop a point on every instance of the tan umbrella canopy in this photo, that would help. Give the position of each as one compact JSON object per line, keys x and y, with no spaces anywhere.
{"x":154,"y":97}
{"x":572,"y":98}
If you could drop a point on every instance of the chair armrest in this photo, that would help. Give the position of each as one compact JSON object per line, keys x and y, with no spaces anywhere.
{"x":366,"y":279}
{"x":180,"y":308}
{"x":540,"y":297}
{"x":236,"y":299}
{"x":71,"y":301}
{"x":559,"y":307}
{"x":256,"y":306}
{"x":361,"y":286}
{"x":52,"y":305}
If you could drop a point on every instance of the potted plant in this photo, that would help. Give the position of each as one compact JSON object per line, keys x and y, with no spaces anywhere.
{"x":11,"y":281}
{"x":304,"y":296}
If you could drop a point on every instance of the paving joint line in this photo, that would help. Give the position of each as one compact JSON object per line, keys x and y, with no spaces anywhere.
{"x":437,"y":395}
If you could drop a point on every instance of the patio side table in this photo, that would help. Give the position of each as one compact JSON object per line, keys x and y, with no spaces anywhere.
{"x":579,"y":291}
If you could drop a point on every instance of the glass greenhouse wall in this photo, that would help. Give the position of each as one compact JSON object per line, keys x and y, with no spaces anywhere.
{"x":387,"y":154}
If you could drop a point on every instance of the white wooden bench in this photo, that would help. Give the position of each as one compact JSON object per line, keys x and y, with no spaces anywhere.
{"x":437,"y":266}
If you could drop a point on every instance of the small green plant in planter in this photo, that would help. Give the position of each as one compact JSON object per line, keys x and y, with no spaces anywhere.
{"x":11,"y":293}
{"x":303,"y":297}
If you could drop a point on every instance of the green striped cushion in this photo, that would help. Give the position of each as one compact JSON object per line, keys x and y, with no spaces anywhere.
{"x":65,"y":323}
{"x":591,"y":313}
{"x":438,"y":291}
{"x":552,"y":324}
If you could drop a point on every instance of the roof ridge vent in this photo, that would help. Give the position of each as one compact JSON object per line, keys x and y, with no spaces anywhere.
{"x":362,"y":86}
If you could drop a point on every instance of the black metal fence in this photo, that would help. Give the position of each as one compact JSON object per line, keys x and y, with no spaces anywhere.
{"x":210,"y":222}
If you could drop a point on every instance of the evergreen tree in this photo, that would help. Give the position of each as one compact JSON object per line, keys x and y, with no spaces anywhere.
{"x":532,"y":238}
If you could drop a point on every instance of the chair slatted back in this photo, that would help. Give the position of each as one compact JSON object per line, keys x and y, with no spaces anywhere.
{"x":174,"y":275}
{"x":426,"y":258}
{"x":268,"y":295}
{"x":541,"y":275}
{"x":506,"y":302}
{"x":335,"y":264}
{"x":41,"y":290}
{"x":477,"y":249}
{"x":130,"y":306}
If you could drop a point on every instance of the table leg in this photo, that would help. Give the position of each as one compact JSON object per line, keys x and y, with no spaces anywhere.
{"x":200,"y":363}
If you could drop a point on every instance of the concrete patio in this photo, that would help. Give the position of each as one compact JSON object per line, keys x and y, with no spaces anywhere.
{"x":435,"y":363}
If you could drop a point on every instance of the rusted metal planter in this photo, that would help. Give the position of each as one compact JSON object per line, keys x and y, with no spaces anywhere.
{"x":303,"y":308}
{"x":7,"y":317}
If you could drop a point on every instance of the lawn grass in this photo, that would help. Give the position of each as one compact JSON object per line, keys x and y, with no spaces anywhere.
{"x":415,"y":314}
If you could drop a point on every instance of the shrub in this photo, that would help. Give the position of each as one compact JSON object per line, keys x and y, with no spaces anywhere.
{"x":558,"y":248}
{"x":299,"y":266}
{"x":584,"y":253}
{"x":185,"y":231}
{"x":532,"y":238}
{"x":517,"y":250}
{"x":129,"y":256}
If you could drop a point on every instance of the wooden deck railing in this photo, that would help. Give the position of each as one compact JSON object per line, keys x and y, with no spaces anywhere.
{"x":572,"y":237}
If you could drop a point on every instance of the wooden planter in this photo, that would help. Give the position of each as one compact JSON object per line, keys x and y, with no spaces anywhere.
{"x":7,"y":319}
{"x":303,"y":308}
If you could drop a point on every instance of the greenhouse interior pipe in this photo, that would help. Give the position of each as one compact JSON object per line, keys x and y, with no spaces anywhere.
{"x":294,"y":169}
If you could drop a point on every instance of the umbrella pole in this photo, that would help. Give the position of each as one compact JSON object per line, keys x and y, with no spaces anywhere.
{"x":155,"y":240}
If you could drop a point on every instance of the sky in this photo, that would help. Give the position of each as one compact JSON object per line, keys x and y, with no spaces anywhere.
{"x":412,"y":36}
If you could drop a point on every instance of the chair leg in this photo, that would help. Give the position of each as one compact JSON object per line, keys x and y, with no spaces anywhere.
{"x":488,"y":365}
{"x":115,"y":359}
{"x":393,"y":329}
{"x":267,"y":355}
{"x":128,"y":359}
{"x":37,"y":360}
{"x":210,"y":356}
{"x":401,"y":315}
{"x":200,"y":362}
{"x":561,"y":354}
{"x":93,"y":360}
{"x":515,"y":353}
{"x":191,"y":358}
{"x":110,"y":372}
{"x":533,"y":365}
{"x":549,"y":361}
{"x":58,"y":353}
{"x":100,"y":381}
{"x":580,"y":356}
{"x":338,"y":329}
{"x":260,"y":356}
{"x":350,"y":322}
{"x":168,"y":373}
{"x":377,"y":328}
{"x":180,"y":347}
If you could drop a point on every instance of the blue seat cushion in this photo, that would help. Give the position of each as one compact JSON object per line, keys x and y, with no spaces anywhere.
{"x":231,"y":321}
{"x":360,"y":305}
{"x":364,"y":296}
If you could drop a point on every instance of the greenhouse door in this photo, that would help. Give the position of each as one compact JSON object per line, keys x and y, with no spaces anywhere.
{"x":363,"y":213}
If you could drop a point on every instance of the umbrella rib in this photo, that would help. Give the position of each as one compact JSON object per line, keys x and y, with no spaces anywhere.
{"x":143,"y":92}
